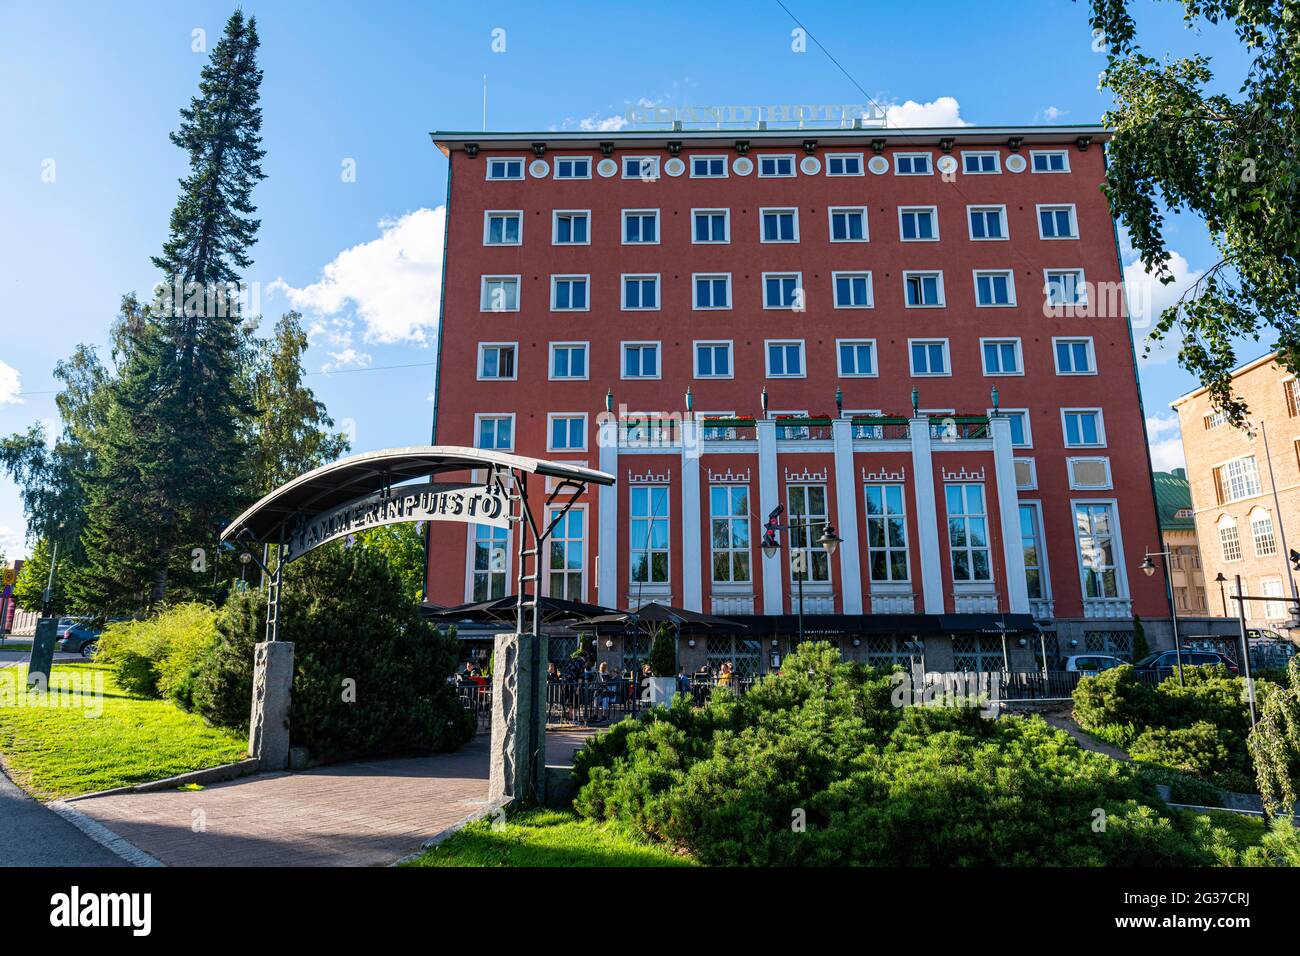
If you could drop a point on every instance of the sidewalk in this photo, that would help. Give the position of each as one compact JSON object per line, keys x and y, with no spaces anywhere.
{"x":31,"y":835}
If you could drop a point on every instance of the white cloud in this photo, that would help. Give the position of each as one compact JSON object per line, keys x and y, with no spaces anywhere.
{"x":1148,"y":297}
{"x":1166,"y":441}
{"x":347,"y":358}
{"x":10,"y":385}
{"x":393,"y":283}
{"x":12,"y":543}
{"x":944,"y":111}
{"x":1051,"y":114}
{"x":348,"y":427}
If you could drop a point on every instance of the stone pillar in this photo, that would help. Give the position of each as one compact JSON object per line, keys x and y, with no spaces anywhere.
{"x":607,"y":496}
{"x":518,"y":760}
{"x":847,"y":490}
{"x":927,"y":518}
{"x":268,"y":724}
{"x":693,"y":558}
{"x":41,"y":660}
{"x":769,"y":496}
{"x":1013,"y":555}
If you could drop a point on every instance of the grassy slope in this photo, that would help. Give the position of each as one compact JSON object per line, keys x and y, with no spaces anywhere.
{"x":547,"y":838}
{"x":62,"y":751}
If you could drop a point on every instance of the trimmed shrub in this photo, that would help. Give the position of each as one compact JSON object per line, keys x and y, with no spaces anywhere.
{"x":161,"y":655}
{"x":1204,"y":750}
{"x":663,"y":654}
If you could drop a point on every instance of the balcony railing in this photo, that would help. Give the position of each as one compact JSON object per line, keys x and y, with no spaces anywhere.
{"x":728,"y":429}
{"x":879,"y":428}
{"x":959,"y":427}
{"x":803,"y":428}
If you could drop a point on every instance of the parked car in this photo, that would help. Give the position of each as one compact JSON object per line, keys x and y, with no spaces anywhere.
{"x":1091,"y":663}
{"x":1271,"y":653}
{"x":65,"y":623}
{"x":81,"y":638}
{"x":1166,"y":662}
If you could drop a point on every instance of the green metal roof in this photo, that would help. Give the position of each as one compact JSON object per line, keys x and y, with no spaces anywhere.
{"x":1174,"y":495}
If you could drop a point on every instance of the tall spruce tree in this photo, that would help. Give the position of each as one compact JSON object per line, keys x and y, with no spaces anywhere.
{"x":173,"y":465}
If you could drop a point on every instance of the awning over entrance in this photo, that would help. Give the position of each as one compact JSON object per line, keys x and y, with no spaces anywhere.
{"x":848,"y":625}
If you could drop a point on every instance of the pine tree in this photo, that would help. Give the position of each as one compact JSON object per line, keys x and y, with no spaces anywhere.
{"x":172,"y":468}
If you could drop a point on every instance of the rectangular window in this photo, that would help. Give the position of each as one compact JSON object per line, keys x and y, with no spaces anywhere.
{"x":1083,"y":427}
{"x":729,"y":533}
{"x":502,"y":228}
{"x":776,"y":166}
{"x":785,"y":359}
{"x":806,"y":505}
{"x":640,"y":359}
{"x":500,"y":294}
{"x":640,"y":227}
{"x":1031,"y":547}
{"x":782,"y":291}
{"x":496,"y":360}
{"x":1065,"y":287}
{"x":1237,"y":479}
{"x":929,"y":356}
{"x":1261,"y":533}
{"x":1273,"y":610}
{"x":843,"y":164}
{"x":918,"y":223}
{"x":505,"y":168}
{"x":923,"y":289}
{"x":1229,"y":541}
{"x":857,"y":357}
{"x":712,"y":291}
{"x":977,"y":164}
{"x":886,"y":533}
{"x":491,"y":549}
{"x":711,"y":225}
{"x":649,"y":533}
{"x":848,"y":223}
{"x":780,"y":225}
{"x":568,"y":432}
{"x":1289,"y":390}
{"x":987,"y":222}
{"x":852,"y":290}
{"x":565,"y":548}
{"x":496,"y":432}
{"x":1001,"y":356}
{"x":568,"y":360}
{"x":572,"y":167}
{"x":1074,"y":357}
{"x":1049,"y":161}
{"x":640,"y":292}
{"x":708,"y":167}
{"x":1057,"y":222}
{"x":713,"y":360}
{"x":641,"y":167}
{"x":569,"y":293}
{"x":571,"y":227}
{"x":912,"y":164}
{"x":968,"y":539}
{"x":995,"y":288}
{"x":1019,"y":419}
{"x":1095,"y":528}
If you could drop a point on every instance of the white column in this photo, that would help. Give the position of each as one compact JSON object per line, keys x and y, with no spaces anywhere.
{"x":768,"y":498}
{"x":1004,"y":465}
{"x":692,"y":559}
{"x":927,"y":519}
{"x":846,"y":511}
{"x":607,"y":550}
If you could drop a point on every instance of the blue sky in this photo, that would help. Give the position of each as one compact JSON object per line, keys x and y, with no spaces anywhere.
{"x":89,"y":92}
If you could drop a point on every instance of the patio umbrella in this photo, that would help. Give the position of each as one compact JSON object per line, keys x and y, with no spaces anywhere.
{"x":654,"y":614}
{"x":502,"y":610}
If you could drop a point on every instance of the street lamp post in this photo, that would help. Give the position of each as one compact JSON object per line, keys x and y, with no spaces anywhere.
{"x":48,"y":597}
{"x":829,"y":542}
{"x":1219,"y":579}
{"x":1149,"y":568}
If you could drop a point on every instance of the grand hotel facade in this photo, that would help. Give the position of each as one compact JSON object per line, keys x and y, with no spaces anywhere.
{"x":913,"y":336}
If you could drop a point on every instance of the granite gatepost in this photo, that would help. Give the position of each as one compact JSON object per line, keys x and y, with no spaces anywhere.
{"x":268,"y":725}
{"x":518,"y":764}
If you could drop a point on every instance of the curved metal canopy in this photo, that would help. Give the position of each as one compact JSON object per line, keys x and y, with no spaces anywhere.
{"x":342,"y":481}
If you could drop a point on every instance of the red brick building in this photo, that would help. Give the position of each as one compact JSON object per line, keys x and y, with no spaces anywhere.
{"x":914,"y":336}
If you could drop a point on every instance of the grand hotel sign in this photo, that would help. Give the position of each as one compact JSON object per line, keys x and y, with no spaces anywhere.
{"x":478,"y":504}
{"x":774,"y":114}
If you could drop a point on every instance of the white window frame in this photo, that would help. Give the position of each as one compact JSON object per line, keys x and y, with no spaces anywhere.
{"x":1065,"y":153}
{"x":1028,"y":420}
{"x":798,"y":285}
{"x":726,"y":226}
{"x":651,"y":516}
{"x":487,"y":225}
{"x":835,"y":294}
{"x":645,"y":157}
{"x":794,"y":166}
{"x":731,"y":583}
{"x":726,"y":166}
{"x":711,"y":308}
{"x":861,"y":158}
{"x":1229,"y":523}
{"x":906,"y":547}
{"x":483,"y":292}
{"x":997,"y":162}
{"x":1254,"y":535}
{"x":875,"y":358}
{"x":1101,"y":428}
{"x":555,"y":226}
{"x":550,"y":362}
{"x":470,"y":542}
{"x":640,"y":343}
{"x":482,"y":347}
{"x":556,"y":168}
{"x":830,"y":223}
{"x":1044,"y":571}
{"x":565,"y":277}
{"x":934,"y":221}
{"x":1080,"y":285}
{"x":762,"y":213}
{"x":1057,"y":207}
{"x":1003,"y":340}
{"x":622,"y":292}
{"x":943,"y":299}
{"x":496,"y":416}
{"x":1117,"y":539}
{"x":487,"y":169}
{"x":550,"y":434}
{"x":582,"y":509}
{"x":947,"y":358}
{"x":622,"y":227}
{"x":1069,"y":470}
{"x":713,"y":343}
{"x":988,"y":207}
{"x":1273,"y":610}
{"x":929,"y":157}
{"x":767,"y":358}
{"x":971,"y":582}
{"x":1011,"y":288}
{"x":1092,"y":353}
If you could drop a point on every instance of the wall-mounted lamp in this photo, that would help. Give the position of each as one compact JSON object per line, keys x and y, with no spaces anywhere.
{"x":857,"y":642}
{"x":690,"y":642}
{"x":775,"y":642}
{"x":997,"y":398}
{"x":1023,"y":642}
{"x":1074,"y":642}
{"x":609,"y":644}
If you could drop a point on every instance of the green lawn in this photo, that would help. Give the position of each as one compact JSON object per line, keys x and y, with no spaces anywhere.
{"x":547,"y":838}
{"x":101,"y":741}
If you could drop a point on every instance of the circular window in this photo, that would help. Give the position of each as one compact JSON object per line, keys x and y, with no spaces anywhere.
{"x":607,"y":167}
{"x":1015,"y":163}
{"x":878,"y":165}
{"x":742,"y":166}
{"x":539,"y":169}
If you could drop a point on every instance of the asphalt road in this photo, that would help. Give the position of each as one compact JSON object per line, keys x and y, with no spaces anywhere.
{"x":31,"y":835}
